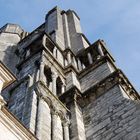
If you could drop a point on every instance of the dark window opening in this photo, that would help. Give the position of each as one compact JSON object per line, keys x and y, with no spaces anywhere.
{"x":50,"y":46}
{"x":59,"y":86}
{"x":48,"y":76}
{"x":85,"y":61}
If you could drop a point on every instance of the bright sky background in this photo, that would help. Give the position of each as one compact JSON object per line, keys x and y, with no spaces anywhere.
{"x":115,"y":21}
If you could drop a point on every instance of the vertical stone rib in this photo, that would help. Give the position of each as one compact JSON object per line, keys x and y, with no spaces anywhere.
{"x":54,"y":125}
{"x":57,"y":131}
{"x":66,"y":31}
{"x":79,"y":64}
{"x":100,"y":50}
{"x":39,"y":122}
{"x":29,"y":108}
{"x":77,"y":125}
{"x":33,"y":112}
{"x":43,"y":128}
{"x":90,"y":58}
{"x":54,"y":84}
{"x":66,"y":130}
{"x":69,"y":57}
{"x":41,"y":70}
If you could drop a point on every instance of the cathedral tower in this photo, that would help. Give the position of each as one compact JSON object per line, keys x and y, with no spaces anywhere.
{"x":69,"y":89}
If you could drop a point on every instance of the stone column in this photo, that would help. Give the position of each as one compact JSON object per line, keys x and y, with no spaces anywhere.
{"x":39,"y":118}
{"x":66,"y":62}
{"x":54,"y":83}
{"x":69,"y":57}
{"x":54,"y":124}
{"x":100,"y":50}
{"x":54,"y":52}
{"x":44,"y":40}
{"x":83,"y":66}
{"x":41,"y":71}
{"x":37,"y":75}
{"x":77,"y":123}
{"x":66,"y":130}
{"x":63,"y":88}
{"x":43,"y":127}
{"x":74,"y":62}
{"x":30,"y":82}
{"x":90,"y":58}
{"x":79,"y":64}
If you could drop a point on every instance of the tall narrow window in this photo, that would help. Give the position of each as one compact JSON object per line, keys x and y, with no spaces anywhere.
{"x":59,"y":86}
{"x":48,"y":76}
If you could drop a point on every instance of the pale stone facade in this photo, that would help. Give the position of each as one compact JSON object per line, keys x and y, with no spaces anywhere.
{"x":67,"y":88}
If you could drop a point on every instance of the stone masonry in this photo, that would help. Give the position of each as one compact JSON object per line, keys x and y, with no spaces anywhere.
{"x":67,"y":88}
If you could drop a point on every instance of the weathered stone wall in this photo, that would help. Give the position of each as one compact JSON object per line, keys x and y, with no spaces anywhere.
{"x":29,"y":67}
{"x":60,"y":58}
{"x":29,"y":112}
{"x":112,"y":116}
{"x":95,"y":76}
{"x":17,"y":98}
{"x":10,"y":35}
{"x":23,"y":104}
{"x":7,"y":50}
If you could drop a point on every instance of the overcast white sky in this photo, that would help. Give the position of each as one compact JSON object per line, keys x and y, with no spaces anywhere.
{"x":115,"y":21}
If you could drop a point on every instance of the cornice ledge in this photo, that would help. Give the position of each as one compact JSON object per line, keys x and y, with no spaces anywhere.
{"x":70,"y":68}
{"x":68,"y":50}
{"x":19,"y":65}
{"x":115,"y":78}
{"x":39,"y":30}
{"x":71,"y":95}
{"x":128,"y":87}
{"x":96,"y":64}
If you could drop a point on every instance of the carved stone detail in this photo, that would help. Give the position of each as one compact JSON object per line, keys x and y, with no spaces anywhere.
{"x":2,"y":102}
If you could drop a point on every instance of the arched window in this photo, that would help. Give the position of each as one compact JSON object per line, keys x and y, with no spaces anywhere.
{"x":59,"y":86}
{"x":48,"y":76}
